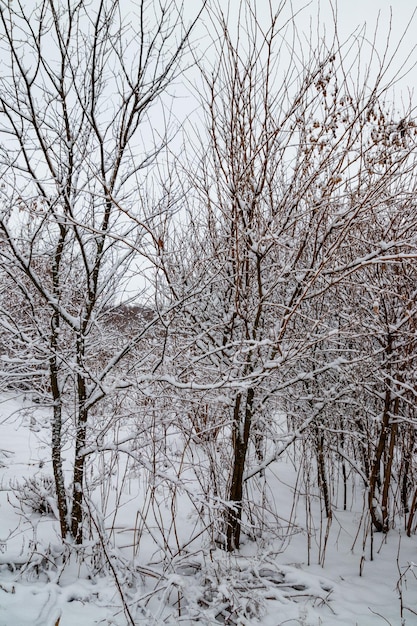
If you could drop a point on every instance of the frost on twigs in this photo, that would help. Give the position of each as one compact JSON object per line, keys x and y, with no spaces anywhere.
{"x":237,"y":591}
{"x":36,"y":494}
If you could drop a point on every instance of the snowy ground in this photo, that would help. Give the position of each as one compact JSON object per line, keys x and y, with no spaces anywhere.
{"x":275,"y":581}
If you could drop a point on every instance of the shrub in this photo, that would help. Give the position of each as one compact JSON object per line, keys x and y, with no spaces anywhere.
{"x":37,"y":494}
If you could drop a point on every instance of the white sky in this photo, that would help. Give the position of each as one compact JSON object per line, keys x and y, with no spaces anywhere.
{"x":353,"y":16}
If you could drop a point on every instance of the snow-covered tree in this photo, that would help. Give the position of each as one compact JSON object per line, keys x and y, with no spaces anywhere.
{"x":295,"y":158}
{"x":79,"y":81}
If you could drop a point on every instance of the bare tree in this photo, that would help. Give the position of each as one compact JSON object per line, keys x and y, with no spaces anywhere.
{"x":79,"y":84}
{"x":384,"y":336}
{"x":292,"y":161}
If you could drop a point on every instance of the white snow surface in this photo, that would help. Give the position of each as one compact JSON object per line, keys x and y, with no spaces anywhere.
{"x":273,"y":577}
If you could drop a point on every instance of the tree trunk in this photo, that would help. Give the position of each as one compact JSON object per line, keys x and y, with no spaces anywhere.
{"x":56,"y":445}
{"x":375,"y":478}
{"x":241,"y":435}
{"x":56,"y":391}
{"x":321,"y":467}
{"x":79,"y":462}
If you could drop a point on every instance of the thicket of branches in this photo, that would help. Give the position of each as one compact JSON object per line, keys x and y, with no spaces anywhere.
{"x":280,"y":247}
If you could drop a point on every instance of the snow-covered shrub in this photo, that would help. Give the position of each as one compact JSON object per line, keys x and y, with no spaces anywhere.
{"x":36,"y":494}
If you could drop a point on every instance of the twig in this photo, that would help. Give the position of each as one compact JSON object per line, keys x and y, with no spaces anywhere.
{"x":379,"y":615}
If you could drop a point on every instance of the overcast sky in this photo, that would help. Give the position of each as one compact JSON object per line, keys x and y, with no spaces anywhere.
{"x":361,"y":17}
{"x":354,"y":14}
